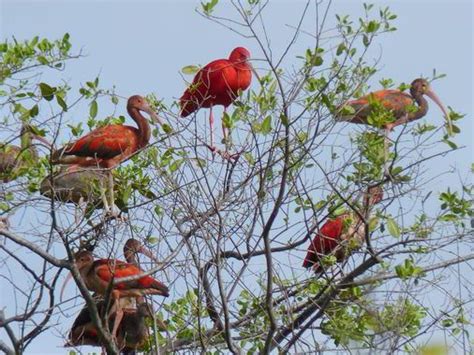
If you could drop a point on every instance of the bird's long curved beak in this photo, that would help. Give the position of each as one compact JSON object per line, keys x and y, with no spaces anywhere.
{"x":147,"y":252}
{"x":431,"y":94}
{"x":154,"y":117}
{"x":42,"y":140}
{"x":68,"y":278}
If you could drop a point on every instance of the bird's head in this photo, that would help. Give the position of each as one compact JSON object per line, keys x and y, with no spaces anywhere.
{"x":373,"y":195}
{"x":134,"y":246}
{"x":239,"y":55}
{"x":139,"y":103}
{"x":83,"y":258}
{"x":421,"y":87}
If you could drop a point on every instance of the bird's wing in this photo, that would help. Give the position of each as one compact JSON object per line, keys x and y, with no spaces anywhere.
{"x":216,"y":78}
{"x":325,"y":241}
{"x":108,"y":269}
{"x":104,"y":142}
{"x":395,"y":100}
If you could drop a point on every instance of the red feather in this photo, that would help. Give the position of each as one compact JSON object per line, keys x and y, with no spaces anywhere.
{"x":394,"y":100}
{"x":218,"y":83}
{"x":107,"y":269}
{"x":106,"y":143}
{"x":325,"y":241}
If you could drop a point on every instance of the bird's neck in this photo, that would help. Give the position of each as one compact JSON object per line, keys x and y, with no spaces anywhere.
{"x":422,"y":108}
{"x":143,"y":126}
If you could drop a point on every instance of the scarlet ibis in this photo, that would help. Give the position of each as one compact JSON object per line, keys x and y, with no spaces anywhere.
{"x":341,"y":235}
{"x":98,"y":274}
{"x":218,"y":83}
{"x":398,"y":102}
{"x":132,"y":330}
{"x":13,"y":157}
{"x":108,"y":146}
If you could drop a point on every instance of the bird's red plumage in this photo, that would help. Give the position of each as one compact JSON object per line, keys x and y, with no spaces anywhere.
{"x":104,"y":143}
{"x":107,"y":269}
{"x":394,"y":100}
{"x":218,"y":83}
{"x":325,"y":241}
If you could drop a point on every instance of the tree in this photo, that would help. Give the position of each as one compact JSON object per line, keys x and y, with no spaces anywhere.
{"x":232,"y":235}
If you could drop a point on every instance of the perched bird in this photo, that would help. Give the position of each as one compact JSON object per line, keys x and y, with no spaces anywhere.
{"x":218,"y":83}
{"x":132,"y":331}
{"x":131,"y":335}
{"x":405,"y":107}
{"x":341,"y":235}
{"x":108,"y":146}
{"x":97,"y":275}
{"x":79,"y":186}
{"x":13,"y":158}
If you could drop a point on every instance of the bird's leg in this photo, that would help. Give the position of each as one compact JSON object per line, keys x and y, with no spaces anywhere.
{"x":80,"y":209}
{"x":110,"y":208}
{"x":211,"y":126}
{"x":386,"y":163}
{"x":118,"y":318}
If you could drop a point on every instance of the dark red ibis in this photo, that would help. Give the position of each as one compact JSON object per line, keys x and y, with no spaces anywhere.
{"x":405,"y":107}
{"x":341,"y":235}
{"x":97,"y":274}
{"x":109,"y":145}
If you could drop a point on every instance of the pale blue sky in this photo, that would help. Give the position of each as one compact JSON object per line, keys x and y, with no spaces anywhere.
{"x":140,"y":46}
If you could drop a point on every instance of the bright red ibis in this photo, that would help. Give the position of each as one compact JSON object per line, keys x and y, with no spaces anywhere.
{"x":218,"y":83}
{"x":341,"y":235}
{"x":108,"y":146}
{"x":97,"y":274}
{"x":405,"y":107}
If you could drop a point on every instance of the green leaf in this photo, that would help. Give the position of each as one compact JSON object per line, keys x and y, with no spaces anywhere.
{"x":61,"y":102}
{"x":34,"y":111}
{"x":340,"y":49}
{"x":167,"y":128}
{"x":93,"y":109}
{"x":209,"y":6}
{"x":284,"y":120}
{"x":42,"y":60}
{"x":47,"y":91}
{"x":190,"y":69}
{"x":393,"y":227}
{"x":372,"y":26}
{"x":227,"y":121}
{"x":266,"y":126}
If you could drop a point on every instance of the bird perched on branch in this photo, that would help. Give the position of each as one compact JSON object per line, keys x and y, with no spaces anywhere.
{"x":341,"y":235}
{"x":132,"y":331}
{"x":218,"y":83}
{"x":108,"y":146}
{"x":405,"y":107}
{"x":98,"y":274}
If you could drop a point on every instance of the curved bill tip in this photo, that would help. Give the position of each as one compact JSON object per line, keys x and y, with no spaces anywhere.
{"x":147,"y":252}
{"x":155,"y":118}
{"x":431,"y":94}
{"x":68,"y":278}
